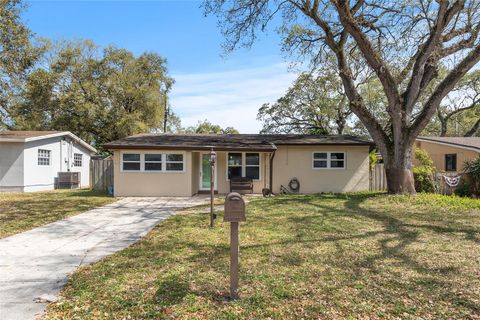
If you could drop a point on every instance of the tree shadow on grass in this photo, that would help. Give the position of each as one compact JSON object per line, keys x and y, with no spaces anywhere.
{"x":172,"y":290}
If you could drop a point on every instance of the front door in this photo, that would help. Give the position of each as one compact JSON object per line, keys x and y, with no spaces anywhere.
{"x":206,"y":172}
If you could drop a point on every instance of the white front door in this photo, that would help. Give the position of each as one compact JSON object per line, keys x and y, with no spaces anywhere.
{"x":205,"y":172}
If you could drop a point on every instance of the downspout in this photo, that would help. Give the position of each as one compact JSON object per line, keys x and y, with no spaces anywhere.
{"x":272,"y":156}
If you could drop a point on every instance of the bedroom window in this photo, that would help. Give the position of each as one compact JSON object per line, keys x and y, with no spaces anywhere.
{"x":44,"y":157}
{"x":131,"y":162}
{"x":328,"y":160}
{"x":153,"y":162}
{"x":451,"y":162}
{"x":174,"y":162}
{"x":243,"y":164}
{"x":77,"y":159}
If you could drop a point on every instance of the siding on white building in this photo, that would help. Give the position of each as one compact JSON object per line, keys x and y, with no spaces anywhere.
{"x":20,"y":169}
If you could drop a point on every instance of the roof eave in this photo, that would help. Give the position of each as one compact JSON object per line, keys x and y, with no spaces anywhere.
{"x":450,"y":144}
{"x":190,"y":148}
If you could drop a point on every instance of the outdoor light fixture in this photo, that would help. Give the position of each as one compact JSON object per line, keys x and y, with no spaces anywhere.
{"x":213,"y":158}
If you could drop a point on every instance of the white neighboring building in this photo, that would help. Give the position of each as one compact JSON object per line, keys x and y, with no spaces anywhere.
{"x":31,"y":160}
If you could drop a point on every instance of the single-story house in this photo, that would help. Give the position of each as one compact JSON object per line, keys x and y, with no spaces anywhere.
{"x":178,"y":164}
{"x":32,"y":160}
{"x":449,"y":153}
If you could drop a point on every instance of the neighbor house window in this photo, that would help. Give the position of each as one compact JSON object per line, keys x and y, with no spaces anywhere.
{"x":243,"y":164}
{"x":153,"y":162}
{"x":451,"y":162}
{"x":77,"y":159}
{"x":131,"y":161}
{"x":44,"y":157}
{"x":174,"y":162}
{"x":328,"y":160}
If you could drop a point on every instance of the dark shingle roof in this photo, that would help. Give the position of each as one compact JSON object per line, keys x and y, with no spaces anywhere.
{"x":468,"y":142}
{"x":229,"y":142}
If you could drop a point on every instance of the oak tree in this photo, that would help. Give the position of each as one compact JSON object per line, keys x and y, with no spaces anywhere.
{"x":404,"y":43}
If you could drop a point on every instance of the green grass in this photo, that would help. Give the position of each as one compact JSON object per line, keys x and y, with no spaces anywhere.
{"x":356,"y":256}
{"x":24,"y":211}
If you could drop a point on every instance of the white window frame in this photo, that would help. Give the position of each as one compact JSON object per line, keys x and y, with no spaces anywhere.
{"x":329,"y":159}
{"x":244,"y":164}
{"x":122,"y":162}
{"x":47,"y":157}
{"x":164,"y":161}
{"x":144,"y":162}
{"x":170,"y":161}
{"x":75,"y":160}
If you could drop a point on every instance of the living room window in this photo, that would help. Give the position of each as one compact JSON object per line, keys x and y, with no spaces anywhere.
{"x":131,"y":162}
{"x":153,"y":162}
{"x":174,"y":162}
{"x":243,"y":164}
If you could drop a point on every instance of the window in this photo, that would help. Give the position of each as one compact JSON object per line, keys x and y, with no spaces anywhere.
{"x":328,"y":160}
{"x":43,"y":157}
{"x":320,"y":160}
{"x":337,"y":160}
{"x":174,"y":162}
{"x":252,"y":166}
{"x":451,"y":162}
{"x":153,"y":162}
{"x":131,"y":162}
{"x":243,"y":165}
{"x":77,"y":159}
{"x":234,"y":165}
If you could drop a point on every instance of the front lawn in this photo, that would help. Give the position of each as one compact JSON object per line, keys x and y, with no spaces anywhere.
{"x":24,"y":211}
{"x":357,"y":256}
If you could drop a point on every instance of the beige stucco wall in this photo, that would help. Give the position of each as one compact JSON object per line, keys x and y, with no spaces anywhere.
{"x":149,"y":184}
{"x":296,"y":161}
{"x":438,"y":151}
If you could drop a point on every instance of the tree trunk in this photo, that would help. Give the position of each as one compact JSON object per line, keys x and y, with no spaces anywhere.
{"x":400,"y":181}
{"x":398,"y":169}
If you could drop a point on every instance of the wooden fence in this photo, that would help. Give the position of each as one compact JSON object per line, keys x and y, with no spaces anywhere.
{"x":378,"y":178}
{"x":101,"y":174}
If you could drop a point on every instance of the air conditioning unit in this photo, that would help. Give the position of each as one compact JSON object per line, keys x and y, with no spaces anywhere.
{"x":68,"y":180}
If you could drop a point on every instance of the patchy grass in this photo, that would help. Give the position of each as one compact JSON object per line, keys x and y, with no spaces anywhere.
{"x":24,"y":211}
{"x":354,"y":256}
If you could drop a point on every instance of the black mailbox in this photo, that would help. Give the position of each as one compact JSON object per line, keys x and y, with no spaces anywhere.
{"x":234,"y":208}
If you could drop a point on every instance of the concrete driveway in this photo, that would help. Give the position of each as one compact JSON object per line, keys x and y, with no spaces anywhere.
{"x":34,"y":265}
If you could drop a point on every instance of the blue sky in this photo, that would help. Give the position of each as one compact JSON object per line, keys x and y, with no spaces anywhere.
{"x":226,"y":90}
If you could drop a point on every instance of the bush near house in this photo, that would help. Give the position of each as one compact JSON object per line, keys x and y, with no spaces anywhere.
{"x":352,"y":256}
{"x":24,"y":211}
{"x":472,"y":173}
{"x":424,"y":174}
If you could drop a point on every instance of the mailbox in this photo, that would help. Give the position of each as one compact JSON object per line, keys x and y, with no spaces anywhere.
{"x":234,"y":208}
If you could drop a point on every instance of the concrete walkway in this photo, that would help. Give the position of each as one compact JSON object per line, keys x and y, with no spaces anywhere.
{"x":34,"y":265}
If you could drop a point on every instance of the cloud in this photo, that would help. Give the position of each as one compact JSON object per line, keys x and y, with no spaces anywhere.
{"x":231,"y":97}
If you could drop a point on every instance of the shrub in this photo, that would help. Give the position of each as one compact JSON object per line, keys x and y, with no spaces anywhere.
{"x":472,"y":171}
{"x":424,"y":174}
{"x":463,"y":190}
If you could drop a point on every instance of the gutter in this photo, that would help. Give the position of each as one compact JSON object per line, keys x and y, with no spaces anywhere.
{"x":272,"y":156}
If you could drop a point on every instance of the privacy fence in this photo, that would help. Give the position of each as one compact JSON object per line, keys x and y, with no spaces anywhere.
{"x":378,"y":178}
{"x":101,"y":174}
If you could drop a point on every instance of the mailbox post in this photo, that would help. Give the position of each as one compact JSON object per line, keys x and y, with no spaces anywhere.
{"x":234,"y":213}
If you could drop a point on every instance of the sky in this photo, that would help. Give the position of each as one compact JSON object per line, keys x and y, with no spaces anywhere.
{"x":225,"y":89}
